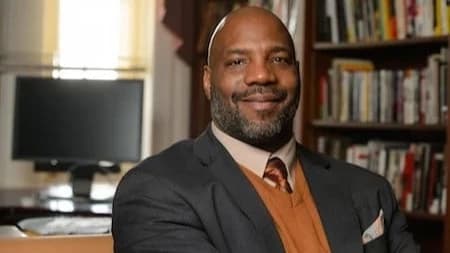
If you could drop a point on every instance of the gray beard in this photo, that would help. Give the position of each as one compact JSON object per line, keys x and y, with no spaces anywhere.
{"x":258,"y":134}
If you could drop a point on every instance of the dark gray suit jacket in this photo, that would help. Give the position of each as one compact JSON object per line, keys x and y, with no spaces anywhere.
{"x":193,"y":197}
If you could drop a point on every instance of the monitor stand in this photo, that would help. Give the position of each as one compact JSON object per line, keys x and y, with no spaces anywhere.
{"x":81,"y":186}
{"x":81,"y":179}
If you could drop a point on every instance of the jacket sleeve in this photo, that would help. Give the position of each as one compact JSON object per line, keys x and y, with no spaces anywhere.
{"x":376,"y":204}
{"x":148,"y":216}
{"x":400,"y":239}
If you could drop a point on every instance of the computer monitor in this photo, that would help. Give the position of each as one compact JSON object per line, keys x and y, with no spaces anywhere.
{"x":75,"y":125}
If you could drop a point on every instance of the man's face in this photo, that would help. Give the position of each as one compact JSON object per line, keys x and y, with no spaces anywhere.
{"x":254,"y":81}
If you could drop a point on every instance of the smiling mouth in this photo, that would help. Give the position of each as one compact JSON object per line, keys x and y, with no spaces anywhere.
{"x":260,"y":98}
{"x":263,"y":98}
{"x":262,"y":102}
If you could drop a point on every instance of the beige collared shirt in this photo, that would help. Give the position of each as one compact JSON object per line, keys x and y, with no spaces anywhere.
{"x":254,"y":158}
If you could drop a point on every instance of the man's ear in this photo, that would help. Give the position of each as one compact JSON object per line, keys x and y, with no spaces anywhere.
{"x":299,"y":72}
{"x":207,"y":81}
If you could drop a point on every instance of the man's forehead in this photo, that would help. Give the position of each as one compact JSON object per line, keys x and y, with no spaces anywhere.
{"x":265,"y":48}
{"x":238,"y":22}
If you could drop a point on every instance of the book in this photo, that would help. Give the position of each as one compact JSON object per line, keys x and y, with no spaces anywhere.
{"x":406,"y":199}
{"x":400,"y":18}
{"x":323,"y":98}
{"x":443,"y":83}
{"x":350,"y":20}
{"x":432,"y":90}
{"x":436,"y":184}
{"x":339,"y":84}
{"x":341,"y":21}
{"x":358,"y":154}
{"x":410,"y":96}
{"x":332,"y":12}
{"x":323,"y":20}
{"x":345,"y":96}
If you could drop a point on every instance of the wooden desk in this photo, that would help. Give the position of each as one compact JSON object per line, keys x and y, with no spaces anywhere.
{"x":58,"y":244}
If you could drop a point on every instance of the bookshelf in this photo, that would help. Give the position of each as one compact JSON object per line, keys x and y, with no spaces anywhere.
{"x":388,"y":41}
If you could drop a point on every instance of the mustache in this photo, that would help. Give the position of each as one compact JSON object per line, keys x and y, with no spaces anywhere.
{"x":262,"y":90}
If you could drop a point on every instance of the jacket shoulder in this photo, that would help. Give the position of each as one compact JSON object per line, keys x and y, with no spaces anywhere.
{"x":358,"y":177}
{"x":174,"y":167}
{"x":352,"y":175}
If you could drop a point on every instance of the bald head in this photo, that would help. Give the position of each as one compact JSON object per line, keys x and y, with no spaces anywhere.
{"x":238,"y":19}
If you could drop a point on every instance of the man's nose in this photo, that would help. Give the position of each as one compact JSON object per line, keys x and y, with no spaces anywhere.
{"x":259,"y":73}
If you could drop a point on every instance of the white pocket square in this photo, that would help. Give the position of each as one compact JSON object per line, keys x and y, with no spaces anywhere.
{"x":375,"y":230}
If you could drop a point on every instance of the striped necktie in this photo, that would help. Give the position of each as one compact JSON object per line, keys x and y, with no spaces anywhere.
{"x":276,"y":172}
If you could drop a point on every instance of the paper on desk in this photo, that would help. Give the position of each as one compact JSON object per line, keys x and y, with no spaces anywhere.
{"x":7,"y":231}
{"x":62,"y":225}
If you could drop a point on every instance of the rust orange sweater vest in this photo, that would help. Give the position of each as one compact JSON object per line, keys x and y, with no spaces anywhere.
{"x":295,"y":215}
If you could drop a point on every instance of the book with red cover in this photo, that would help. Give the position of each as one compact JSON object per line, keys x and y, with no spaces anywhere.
{"x":408,"y":180}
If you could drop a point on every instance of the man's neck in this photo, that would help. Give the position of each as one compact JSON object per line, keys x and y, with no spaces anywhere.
{"x":269,"y":144}
{"x":254,"y":157}
{"x":273,"y":144}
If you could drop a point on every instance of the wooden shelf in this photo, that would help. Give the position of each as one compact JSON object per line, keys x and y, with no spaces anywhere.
{"x":323,"y":46}
{"x":377,"y":126}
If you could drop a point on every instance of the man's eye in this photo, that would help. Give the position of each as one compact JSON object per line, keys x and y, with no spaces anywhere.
{"x":281,"y":60}
{"x":235,"y":62}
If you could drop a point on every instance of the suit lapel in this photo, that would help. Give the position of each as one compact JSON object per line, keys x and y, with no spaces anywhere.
{"x":333,"y":203}
{"x":225,"y":169}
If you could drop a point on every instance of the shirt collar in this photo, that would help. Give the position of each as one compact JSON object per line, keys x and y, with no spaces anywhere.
{"x":253,"y":158}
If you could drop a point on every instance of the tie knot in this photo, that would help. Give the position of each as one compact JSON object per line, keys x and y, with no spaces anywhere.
{"x":277,"y":173}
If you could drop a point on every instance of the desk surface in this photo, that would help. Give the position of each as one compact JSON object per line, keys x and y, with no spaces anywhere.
{"x":58,"y":244}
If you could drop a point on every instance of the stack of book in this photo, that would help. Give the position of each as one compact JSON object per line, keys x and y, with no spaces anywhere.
{"x":416,"y":171}
{"x":374,"y":20}
{"x":354,"y":91}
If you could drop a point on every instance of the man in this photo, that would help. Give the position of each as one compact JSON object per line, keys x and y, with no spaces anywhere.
{"x":229,"y":191}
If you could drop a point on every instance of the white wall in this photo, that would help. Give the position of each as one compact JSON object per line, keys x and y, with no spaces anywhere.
{"x":171,"y":92}
{"x":20,"y":35}
{"x":166,"y":99}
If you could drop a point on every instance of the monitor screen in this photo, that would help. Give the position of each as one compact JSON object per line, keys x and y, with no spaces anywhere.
{"x":77,"y":120}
